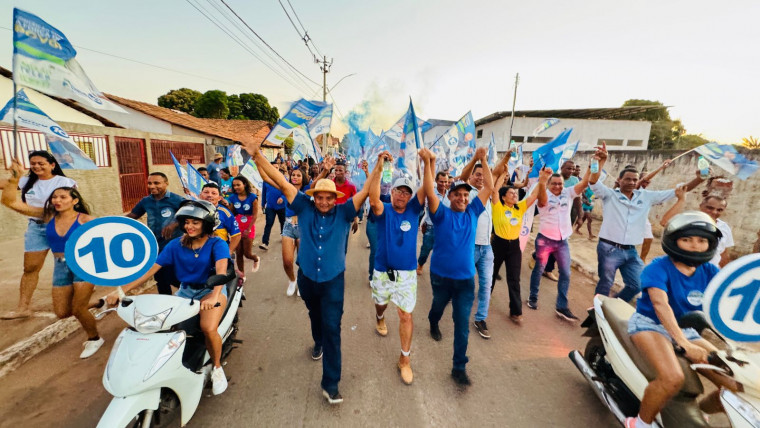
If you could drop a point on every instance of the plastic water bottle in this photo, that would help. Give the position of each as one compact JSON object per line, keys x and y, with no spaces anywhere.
{"x":594,"y":166}
{"x":704,"y":167}
{"x":387,"y":172}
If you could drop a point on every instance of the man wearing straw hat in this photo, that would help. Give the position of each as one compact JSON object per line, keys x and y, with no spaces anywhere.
{"x":324,"y":229}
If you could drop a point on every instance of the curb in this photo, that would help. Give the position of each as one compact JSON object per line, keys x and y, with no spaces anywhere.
{"x":20,"y":352}
{"x":593,"y":274}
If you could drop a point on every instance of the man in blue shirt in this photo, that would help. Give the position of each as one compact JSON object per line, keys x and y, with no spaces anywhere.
{"x":394,"y":278}
{"x":160,"y":205}
{"x":324,"y":229}
{"x":273,"y":202}
{"x":452,"y":267}
{"x":215,"y":168}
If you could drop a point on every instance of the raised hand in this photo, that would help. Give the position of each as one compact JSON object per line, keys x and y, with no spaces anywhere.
{"x":481,"y":153}
{"x":545,"y":174}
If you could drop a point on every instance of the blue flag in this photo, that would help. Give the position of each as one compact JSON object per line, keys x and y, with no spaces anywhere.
{"x":300,"y":113}
{"x":550,"y":153}
{"x":726,"y":157}
{"x":182,"y":174}
{"x":492,"y":152}
{"x":195,"y":180}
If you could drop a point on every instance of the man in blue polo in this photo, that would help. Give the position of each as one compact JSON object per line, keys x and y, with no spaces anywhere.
{"x":324,"y":227}
{"x":452,"y":266}
{"x":160,"y":205}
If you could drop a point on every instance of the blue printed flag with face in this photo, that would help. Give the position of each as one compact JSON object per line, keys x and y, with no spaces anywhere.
{"x":320,"y":124}
{"x":548,"y":123}
{"x":726,"y":157}
{"x":251,"y":172}
{"x":549,"y":154}
{"x":492,"y":151}
{"x":300,"y":113}
{"x":459,"y":143}
{"x":62,"y":146}
{"x":235,"y":155}
{"x":44,"y":59}
{"x":515,"y":159}
{"x":195,"y":180}
{"x":182,"y":174}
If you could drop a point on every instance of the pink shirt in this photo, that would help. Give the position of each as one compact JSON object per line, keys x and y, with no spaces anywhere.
{"x":554,"y":217}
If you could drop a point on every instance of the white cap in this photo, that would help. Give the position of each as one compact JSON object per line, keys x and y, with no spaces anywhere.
{"x":403,"y":182}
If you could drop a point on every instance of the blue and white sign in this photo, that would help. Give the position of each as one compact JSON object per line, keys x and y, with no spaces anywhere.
{"x":732,"y":300}
{"x":111,"y":251}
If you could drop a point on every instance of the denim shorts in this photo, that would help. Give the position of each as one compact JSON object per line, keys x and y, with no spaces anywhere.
{"x":192,"y":293}
{"x":35,"y":238}
{"x":62,"y":275}
{"x":291,"y":231}
{"x":639,"y":323}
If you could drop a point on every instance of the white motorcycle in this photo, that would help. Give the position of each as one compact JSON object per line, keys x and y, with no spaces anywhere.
{"x":618,"y":373}
{"x":160,"y":362}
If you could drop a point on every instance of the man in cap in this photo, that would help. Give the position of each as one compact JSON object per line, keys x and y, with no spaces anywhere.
{"x":452,"y":266}
{"x":324,"y":226}
{"x":394,"y":278}
{"x":215,"y":168}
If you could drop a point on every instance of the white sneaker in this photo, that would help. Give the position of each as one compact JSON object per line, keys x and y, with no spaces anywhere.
{"x":298,"y":291}
{"x":91,"y":347}
{"x":291,"y":288}
{"x":218,"y":381}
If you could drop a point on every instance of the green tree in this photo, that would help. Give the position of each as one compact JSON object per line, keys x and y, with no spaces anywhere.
{"x":689,"y":141}
{"x":665,"y":131}
{"x":212,"y":105}
{"x":236,"y":108}
{"x":256,"y":107}
{"x":182,"y":99}
{"x":287,"y":145}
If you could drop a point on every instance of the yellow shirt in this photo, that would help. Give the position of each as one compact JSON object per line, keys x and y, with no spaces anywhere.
{"x":507,"y":221}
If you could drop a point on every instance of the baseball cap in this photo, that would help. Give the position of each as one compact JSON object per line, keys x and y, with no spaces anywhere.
{"x":403,"y":182}
{"x":459,"y":184}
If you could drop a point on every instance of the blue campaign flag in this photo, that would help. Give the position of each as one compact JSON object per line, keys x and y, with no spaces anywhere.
{"x":459,"y":143}
{"x":726,"y":157}
{"x":550,"y":153}
{"x":515,"y":159}
{"x":300,"y":113}
{"x":182,"y":174}
{"x":548,"y":123}
{"x":195,"y":180}
{"x":492,"y":151}
{"x":62,"y":146}
{"x":569,"y":151}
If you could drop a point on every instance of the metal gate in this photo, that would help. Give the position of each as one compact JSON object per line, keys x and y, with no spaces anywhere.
{"x":133,"y":170}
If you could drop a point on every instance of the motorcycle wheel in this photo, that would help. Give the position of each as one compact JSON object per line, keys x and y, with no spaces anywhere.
{"x":594,"y":351}
{"x":166,"y":415}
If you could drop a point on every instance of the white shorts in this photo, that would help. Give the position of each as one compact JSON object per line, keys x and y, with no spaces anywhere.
{"x":402,"y":292}
{"x":648,"y":231}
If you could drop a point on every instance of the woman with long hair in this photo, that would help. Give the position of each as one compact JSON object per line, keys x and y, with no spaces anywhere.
{"x":65,"y":210}
{"x":244,"y":203}
{"x":45,"y":175}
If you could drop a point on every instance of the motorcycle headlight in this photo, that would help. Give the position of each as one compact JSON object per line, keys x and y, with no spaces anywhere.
{"x":114,"y":351}
{"x":150,"y":323}
{"x":741,"y":406}
{"x":169,"y":349}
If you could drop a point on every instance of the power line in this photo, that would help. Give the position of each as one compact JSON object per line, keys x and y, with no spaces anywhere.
{"x":267,"y":44}
{"x":306,"y":33}
{"x":304,"y":37}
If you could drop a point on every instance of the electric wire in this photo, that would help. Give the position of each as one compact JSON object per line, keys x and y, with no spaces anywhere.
{"x":306,"y":33}
{"x":304,"y":37}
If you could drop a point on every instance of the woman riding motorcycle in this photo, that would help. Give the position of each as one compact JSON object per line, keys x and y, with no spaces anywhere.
{"x":673,"y":285}
{"x":193,"y":256}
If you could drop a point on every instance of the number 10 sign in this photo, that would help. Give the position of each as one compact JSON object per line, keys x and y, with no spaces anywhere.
{"x":732,"y":300}
{"x":111,"y":251}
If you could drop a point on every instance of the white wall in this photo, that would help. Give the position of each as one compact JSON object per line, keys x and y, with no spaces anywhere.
{"x":57,"y":111}
{"x":136,"y":120}
{"x":588,"y":131}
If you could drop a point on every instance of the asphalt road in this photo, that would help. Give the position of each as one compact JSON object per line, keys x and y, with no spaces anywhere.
{"x":521,"y":377}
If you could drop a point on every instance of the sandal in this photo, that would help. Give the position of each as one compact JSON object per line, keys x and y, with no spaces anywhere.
{"x":256,"y":264}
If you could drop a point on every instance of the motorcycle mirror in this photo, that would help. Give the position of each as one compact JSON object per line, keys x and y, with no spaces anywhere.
{"x":695,"y":320}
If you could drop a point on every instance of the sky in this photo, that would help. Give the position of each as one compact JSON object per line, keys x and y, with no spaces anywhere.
{"x":699,"y":57}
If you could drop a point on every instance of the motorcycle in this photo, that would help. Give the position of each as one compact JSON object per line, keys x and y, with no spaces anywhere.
{"x":618,"y":372}
{"x":160,"y":362}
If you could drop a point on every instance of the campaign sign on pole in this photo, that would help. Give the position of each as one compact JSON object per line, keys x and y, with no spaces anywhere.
{"x":111,"y":251}
{"x":732,"y":300}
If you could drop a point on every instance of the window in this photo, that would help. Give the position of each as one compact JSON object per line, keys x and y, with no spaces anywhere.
{"x":95,"y":146}
{"x":518,"y":139}
{"x":635,"y":143}
{"x":539,"y":140}
{"x":191,"y":152}
{"x":609,"y":142}
{"x":480,"y":133}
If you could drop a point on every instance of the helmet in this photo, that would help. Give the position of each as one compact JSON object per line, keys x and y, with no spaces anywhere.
{"x":690,"y":223}
{"x":200,"y":210}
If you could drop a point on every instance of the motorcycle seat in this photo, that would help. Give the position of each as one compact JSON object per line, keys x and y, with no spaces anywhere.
{"x":617,"y":313}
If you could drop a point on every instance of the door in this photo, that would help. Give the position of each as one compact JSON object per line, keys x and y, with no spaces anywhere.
{"x":133,"y":170}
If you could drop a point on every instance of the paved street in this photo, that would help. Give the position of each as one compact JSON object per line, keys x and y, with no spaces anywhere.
{"x":521,"y":376}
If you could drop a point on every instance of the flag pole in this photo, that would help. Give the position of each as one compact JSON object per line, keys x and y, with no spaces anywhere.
{"x":15,"y":153}
{"x":512,"y":119}
{"x":684,"y":153}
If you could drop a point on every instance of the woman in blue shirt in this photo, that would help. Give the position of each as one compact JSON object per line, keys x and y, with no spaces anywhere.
{"x":194,"y":256}
{"x":243,"y":202}
{"x":673,"y":285}
{"x":225,"y":184}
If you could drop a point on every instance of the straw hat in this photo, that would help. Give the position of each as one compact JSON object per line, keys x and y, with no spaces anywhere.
{"x":325,"y":185}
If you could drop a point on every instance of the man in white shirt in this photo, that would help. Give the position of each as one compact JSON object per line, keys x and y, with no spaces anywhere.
{"x":625,"y":212}
{"x":714,"y":206}
{"x":555,"y":226}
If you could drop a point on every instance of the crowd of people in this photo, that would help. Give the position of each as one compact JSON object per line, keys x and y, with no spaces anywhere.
{"x":471,"y":224}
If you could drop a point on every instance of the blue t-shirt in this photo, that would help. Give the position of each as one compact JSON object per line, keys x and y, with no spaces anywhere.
{"x":270,"y":195}
{"x":322,"y":252}
{"x":244,"y":206}
{"x":397,"y":236}
{"x":383,"y":198}
{"x":213,"y":171}
{"x":160,"y":214}
{"x":289,"y":212}
{"x":225,"y":186}
{"x":684,"y":292}
{"x":454,"y":246}
{"x":228,"y":226}
{"x":188,"y":268}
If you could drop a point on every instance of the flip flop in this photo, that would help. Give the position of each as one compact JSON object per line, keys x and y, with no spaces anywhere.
{"x":15,"y":315}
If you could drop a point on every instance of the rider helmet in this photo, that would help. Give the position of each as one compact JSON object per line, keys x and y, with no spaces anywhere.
{"x":690,"y":223}
{"x":199,"y":210}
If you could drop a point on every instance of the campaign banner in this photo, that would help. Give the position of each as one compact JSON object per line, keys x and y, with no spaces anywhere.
{"x":458,"y":143}
{"x":548,"y":123}
{"x":726,"y":157}
{"x":492,"y":151}
{"x":182,"y":174}
{"x":568,"y":152}
{"x":303,"y":145}
{"x":195,"y":180}
{"x":235,"y":155}
{"x":515,"y":159}
{"x":550,"y":153}
{"x":251,"y":172}
{"x":45,"y":60}
{"x":321,"y":123}
{"x":62,"y":146}
{"x":300,"y":113}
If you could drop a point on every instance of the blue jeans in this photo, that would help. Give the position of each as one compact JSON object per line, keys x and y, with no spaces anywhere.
{"x":324,"y":300}
{"x":612,"y":258}
{"x":561,"y":251}
{"x":461,"y":293}
{"x":484,"y":266}
{"x":428,"y":238}
{"x":371,"y":231}
{"x":270,"y":215}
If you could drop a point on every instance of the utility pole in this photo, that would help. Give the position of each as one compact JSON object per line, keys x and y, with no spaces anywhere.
{"x":512,"y":120}
{"x":324,"y":65}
